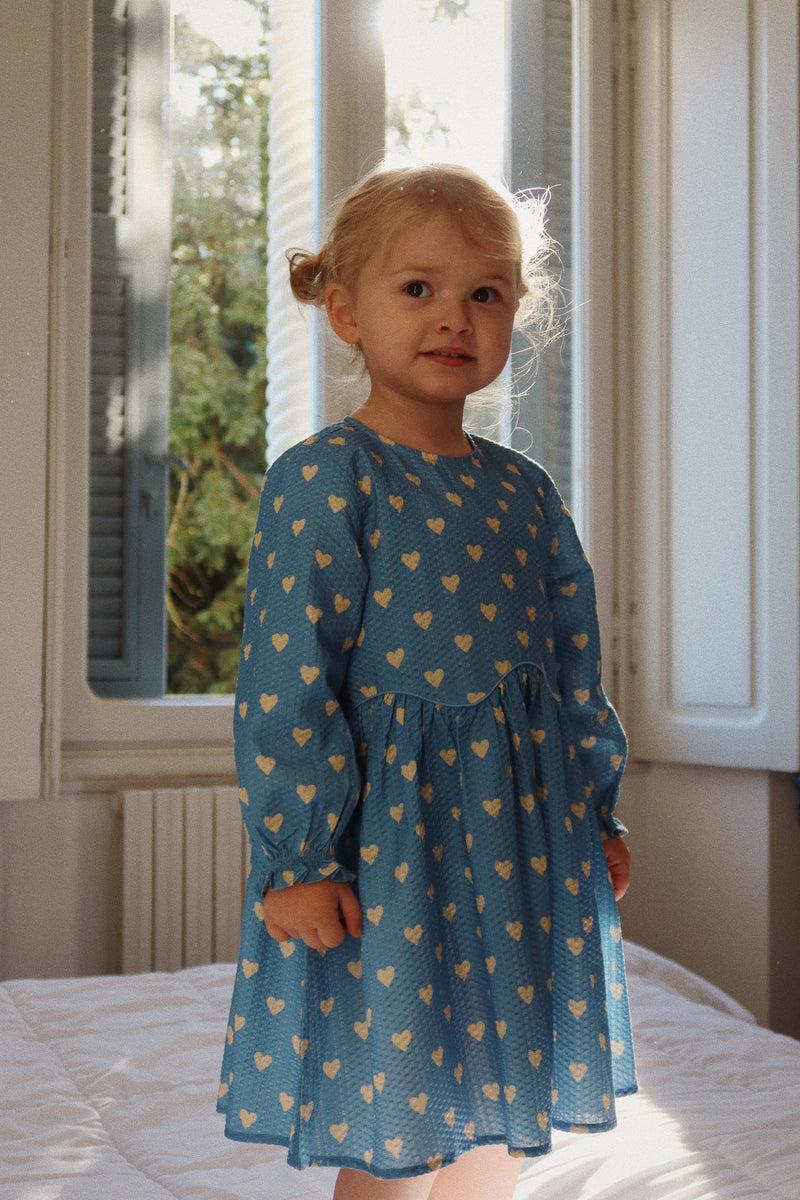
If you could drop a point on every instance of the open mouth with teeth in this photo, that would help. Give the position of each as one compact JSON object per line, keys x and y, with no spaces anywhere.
{"x":455,"y":356}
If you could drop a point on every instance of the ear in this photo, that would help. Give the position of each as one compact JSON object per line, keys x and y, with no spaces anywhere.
{"x":340,"y":307}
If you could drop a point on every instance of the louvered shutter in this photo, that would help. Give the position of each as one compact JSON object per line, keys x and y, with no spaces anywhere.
{"x":129,"y":388}
{"x":541,"y":156}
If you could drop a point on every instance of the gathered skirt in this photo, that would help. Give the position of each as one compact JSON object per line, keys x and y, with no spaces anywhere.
{"x":486,"y":1000}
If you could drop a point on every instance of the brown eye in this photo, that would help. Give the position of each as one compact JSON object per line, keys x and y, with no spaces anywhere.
{"x":417,"y":289}
{"x":485,"y":295}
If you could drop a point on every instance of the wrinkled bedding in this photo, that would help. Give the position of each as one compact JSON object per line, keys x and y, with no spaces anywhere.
{"x":108,"y":1087}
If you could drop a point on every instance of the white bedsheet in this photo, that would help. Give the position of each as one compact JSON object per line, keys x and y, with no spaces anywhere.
{"x":108,"y":1085}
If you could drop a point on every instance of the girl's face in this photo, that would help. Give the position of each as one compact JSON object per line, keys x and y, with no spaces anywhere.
{"x":433,"y":315}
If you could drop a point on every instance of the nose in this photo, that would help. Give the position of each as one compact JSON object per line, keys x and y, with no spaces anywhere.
{"x":454,"y":314}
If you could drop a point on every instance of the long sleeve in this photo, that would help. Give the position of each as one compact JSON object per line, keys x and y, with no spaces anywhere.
{"x":595,"y":735}
{"x":295,"y":758}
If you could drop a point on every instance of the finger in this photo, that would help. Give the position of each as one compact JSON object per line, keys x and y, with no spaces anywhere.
{"x":277,"y":932}
{"x":305,"y":934}
{"x":351,"y":912}
{"x":308,"y":934}
{"x":331,"y":933}
{"x":620,"y":878}
{"x":317,"y":941}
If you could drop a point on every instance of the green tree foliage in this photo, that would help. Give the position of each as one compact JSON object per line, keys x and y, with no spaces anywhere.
{"x":452,"y":9}
{"x":218,"y":345}
{"x":218,"y":362}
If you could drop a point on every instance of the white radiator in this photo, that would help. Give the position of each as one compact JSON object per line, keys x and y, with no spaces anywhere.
{"x":185,"y":860}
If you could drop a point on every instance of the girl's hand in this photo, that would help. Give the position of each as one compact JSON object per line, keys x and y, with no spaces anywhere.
{"x":319,"y":914}
{"x":618,"y":857}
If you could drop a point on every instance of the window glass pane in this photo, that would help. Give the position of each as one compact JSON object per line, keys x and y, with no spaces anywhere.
{"x":489,"y":83}
{"x":446,"y":82}
{"x":219,"y":97}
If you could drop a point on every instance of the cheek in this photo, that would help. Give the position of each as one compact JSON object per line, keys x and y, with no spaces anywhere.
{"x":500,"y":337}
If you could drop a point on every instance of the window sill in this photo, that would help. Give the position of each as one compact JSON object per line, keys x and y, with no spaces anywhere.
{"x":109,"y":767}
{"x":183,"y":738}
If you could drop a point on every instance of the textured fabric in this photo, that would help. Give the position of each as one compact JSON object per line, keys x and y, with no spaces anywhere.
{"x":419,"y":710}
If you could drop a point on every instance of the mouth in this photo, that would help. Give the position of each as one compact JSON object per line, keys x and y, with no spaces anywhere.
{"x":448,"y":355}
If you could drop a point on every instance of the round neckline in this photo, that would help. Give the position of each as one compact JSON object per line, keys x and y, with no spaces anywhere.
{"x":428,"y":454}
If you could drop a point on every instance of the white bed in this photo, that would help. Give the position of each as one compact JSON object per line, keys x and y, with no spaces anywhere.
{"x":107,"y":1091}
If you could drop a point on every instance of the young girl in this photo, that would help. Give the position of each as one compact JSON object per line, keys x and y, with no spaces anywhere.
{"x":431,"y":971}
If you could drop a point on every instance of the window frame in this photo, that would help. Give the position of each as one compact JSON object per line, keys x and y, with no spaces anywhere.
{"x":102,"y":738}
{"x":108,"y":739}
{"x":31,"y":347}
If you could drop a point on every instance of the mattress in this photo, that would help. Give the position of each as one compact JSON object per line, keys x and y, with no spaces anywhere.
{"x":108,"y":1087}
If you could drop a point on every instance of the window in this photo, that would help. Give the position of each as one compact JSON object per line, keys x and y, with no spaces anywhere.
{"x":624,"y":111}
{"x":490,"y":83}
{"x":326,"y":124}
{"x":178,"y":339}
{"x":178,"y":442}
{"x":220,"y":164}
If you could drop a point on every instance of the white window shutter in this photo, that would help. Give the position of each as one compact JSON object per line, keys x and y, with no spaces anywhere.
{"x":541,"y":143}
{"x":715,"y":410}
{"x":290,"y":221}
{"x":326,"y":128}
{"x":351,"y":125}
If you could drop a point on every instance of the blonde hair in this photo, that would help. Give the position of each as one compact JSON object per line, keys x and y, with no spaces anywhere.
{"x":389,"y":200}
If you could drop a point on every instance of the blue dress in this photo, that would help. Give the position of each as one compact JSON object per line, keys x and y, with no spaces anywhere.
{"x":419,"y":711}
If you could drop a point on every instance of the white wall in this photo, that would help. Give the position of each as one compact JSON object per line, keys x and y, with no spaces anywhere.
{"x":715,"y":851}
{"x":59,"y":857}
{"x":60,"y":907}
{"x":716,"y":883}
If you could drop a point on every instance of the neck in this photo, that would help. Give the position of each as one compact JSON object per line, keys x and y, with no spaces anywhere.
{"x":434,"y":431}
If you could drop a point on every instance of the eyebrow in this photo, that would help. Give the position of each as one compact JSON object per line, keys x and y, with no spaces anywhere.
{"x":422,"y":271}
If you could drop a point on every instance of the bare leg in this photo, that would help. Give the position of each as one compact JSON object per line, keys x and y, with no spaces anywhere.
{"x":486,"y":1173}
{"x":357,"y":1185}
